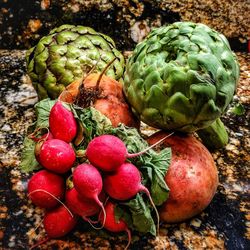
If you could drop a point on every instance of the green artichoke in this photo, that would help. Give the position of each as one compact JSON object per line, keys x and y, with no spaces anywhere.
{"x":181,"y":77}
{"x":68,"y":53}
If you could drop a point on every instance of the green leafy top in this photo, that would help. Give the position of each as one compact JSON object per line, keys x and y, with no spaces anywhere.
{"x":136,"y":212}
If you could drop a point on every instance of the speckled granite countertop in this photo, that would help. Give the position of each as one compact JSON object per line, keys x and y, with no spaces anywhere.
{"x":223,"y":225}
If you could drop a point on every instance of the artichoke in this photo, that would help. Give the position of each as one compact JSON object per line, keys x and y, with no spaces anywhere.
{"x":68,"y":53}
{"x":181,"y":77}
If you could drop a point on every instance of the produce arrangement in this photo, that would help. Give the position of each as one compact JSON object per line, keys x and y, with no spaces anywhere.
{"x":92,"y":170}
{"x":89,"y":157}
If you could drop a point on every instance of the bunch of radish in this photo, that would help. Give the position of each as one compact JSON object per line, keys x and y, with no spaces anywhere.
{"x":47,"y":188}
{"x":99,"y":184}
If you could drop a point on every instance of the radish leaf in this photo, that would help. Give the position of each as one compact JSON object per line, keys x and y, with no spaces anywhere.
{"x":28,"y":159}
{"x":138,"y":212}
{"x":42,"y":112}
{"x":93,"y":122}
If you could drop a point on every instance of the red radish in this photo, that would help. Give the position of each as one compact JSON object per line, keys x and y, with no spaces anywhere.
{"x":62,"y":123}
{"x":52,"y":184}
{"x":88,"y":182}
{"x":108,"y":152}
{"x":56,"y":155}
{"x":58,"y":222}
{"x":112,"y":224}
{"x":125,"y":183}
{"x":80,"y":206}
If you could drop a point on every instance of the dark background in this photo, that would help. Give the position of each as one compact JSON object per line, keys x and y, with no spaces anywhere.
{"x":23,"y":23}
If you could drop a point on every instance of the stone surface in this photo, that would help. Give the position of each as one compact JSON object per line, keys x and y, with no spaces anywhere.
{"x":223,"y":225}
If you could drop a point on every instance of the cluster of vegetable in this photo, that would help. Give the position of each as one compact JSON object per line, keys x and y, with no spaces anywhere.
{"x":181,"y":78}
{"x":105,"y":183}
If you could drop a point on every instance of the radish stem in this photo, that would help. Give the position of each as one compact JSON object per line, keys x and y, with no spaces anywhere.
{"x":145,"y":190}
{"x":33,"y":135}
{"x":146,"y":149}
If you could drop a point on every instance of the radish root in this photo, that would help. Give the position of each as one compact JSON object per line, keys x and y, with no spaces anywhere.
{"x":129,"y":238}
{"x":91,"y":222}
{"x":40,"y":243}
{"x":34,"y":230}
{"x":42,"y":190}
{"x":103,"y":210}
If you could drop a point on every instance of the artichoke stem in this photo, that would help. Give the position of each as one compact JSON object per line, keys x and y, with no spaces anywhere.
{"x":215,"y":136}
